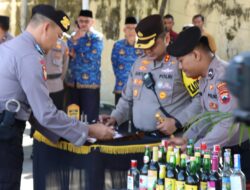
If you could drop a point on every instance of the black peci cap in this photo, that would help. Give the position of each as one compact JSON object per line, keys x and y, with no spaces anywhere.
{"x":86,"y":13}
{"x":5,"y":22}
{"x":58,"y":16}
{"x":130,"y":20}
{"x":185,"y":42}
{"x":147,"y":30}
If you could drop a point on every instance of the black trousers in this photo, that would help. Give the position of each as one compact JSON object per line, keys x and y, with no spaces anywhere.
{"x":11,"y":157}
{"x":117,"y":97}
{"x":88,"y":100}
{"x":58,"y":99}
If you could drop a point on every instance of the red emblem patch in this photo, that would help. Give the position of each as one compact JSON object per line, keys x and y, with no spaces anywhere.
{"x":224,"y":93}
{"x":213,"y":106}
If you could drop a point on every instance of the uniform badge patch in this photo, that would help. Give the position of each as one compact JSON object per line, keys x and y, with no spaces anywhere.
{"x":162,"y":95}
{"x":223,"y":93}
{"x":142,"y":68}
{"x":211,"y":87}
{"x":135,"y":93}
{"x":167,"y":57}
{"x":138,"y":82}
{"x":145,"y":62}
{"x":213,"y":106}
{"x":167,"y":70}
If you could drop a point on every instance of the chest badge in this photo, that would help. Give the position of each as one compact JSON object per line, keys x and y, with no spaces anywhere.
{"x":210,"y":74}
{"x":213,"y":106}
{"x":223,"y":93}
{"x":167,"y":58}
{"x":135,"y":93}
{"x":211,"y":87}
{"x":145,"y":62}
{"x":163,"y":95}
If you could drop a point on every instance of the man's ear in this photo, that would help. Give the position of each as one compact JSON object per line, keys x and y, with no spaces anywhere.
{"x":197,"y":54}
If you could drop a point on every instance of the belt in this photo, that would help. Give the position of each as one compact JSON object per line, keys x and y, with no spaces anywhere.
{"x":54,"y":76}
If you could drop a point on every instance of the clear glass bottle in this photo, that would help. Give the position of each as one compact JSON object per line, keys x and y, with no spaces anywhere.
{"x":133,"y":176}
{"x":237,"y":178}
{"x":144,"y":170}
{"x":226,"y":172}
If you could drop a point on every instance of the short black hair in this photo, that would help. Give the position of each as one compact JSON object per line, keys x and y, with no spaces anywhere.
{"x":199,"y":16}
{"x":168,"y":16}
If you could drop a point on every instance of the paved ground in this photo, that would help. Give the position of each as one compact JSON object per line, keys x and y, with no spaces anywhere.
{"x":27,"y":176}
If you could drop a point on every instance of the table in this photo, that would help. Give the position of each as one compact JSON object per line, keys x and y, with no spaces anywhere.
{"x":98,"y":166}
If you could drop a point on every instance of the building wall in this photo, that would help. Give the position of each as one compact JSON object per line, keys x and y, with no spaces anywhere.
{"x":227,"y":21}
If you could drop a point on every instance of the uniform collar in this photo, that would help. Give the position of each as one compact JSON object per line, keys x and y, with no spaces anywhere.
{"x":159,"y":64}
{"x":29,"y":37}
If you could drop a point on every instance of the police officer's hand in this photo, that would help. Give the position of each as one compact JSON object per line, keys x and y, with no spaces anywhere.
{"x":101,"y":132}
{"x":167,"y":127}
{"x":107,"y":120}
{"x":178,"y":141}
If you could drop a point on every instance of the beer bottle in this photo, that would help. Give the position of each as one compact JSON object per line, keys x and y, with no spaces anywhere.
{"x":133,"y":177}
{"x":192,"y":181}
{"x":204,"y":177}
{"x":144,"y":170}
{"x":160,"y":181}
{"x":171,"y":173}
{"x":181,"y":175}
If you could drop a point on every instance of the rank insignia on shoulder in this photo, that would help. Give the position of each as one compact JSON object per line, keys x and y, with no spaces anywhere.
{"x":223,"y":93}
{"x":121,"y":52}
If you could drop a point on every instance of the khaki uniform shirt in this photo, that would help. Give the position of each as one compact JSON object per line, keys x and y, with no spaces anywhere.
{"x":216,"y":98}
{"x":23,"y":77}
{"x":169,"y":88}
{"x":57,"y":63}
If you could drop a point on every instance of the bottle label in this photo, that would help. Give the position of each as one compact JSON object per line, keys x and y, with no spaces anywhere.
{"x":191,"y":187}
{"x":145,"y":159}
{"x":226,"y":183}
{"x":152,"y":179}
{"x":180,"y":185}
{"x":143,"y":182}
{"x":211,"y":185}
{"x":203,"y":185}
{"x":130,"y":183}
{"x":235,"y":182}
{"x":169,"y":184}
{"x":159,"y":187}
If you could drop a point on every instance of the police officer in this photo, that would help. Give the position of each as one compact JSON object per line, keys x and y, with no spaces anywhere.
{"x":4,"y":28}
{"x":196,"y":59}
{"x":57,"y":64}
{"x":84,"y":75}
{"x":23,"y":78}
{"x":124,"y":55}
{"x":168,"y":89}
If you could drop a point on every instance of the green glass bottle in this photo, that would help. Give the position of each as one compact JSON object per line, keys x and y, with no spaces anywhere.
{"x":162,"y":155}
{"x":153,"y":170}
{"x":160,"y":182}
{"x":198,"y":162}
{"x":192,"y":181}
{"x":177,"y":151}
{"x":144,"y":170}
{"x":171,"y":173}
{"x":204,"y":177}
{"x":181,"y":175}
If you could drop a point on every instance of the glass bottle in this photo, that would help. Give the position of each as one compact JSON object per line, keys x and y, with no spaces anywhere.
{"x":133,"y":176}
{"x":204,"y":176}
{"x":214,"y":182}
{"x":181,"y":175}
{"x":192,"y":181}
{"x":171,"y":173}
{"x":153,"y":170}
{"x":226,"y":172}
{"x":144,"y":170}
{"x":160,"y":181}
{"x":237,"y":179}
{"x":161,"y":155}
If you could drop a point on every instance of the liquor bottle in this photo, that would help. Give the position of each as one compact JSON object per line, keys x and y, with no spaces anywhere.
{"x":153,"y":170}
{"x":161,"y":155}
{"x":171,"y":173}
{"x":177,"y":151}
{"x":204,"y":176}
{"x":226,"y":172}
{"x":217,"y":151}
{"x":181,"y":175}
{"x":198,"y":162}
{"x":160,"y":181}
{"x":192,"y":181}
{"x":133,"y":177}
{"x":214,"y":182}
{"x":144,"y":170}
{"x":169,"y":152}
{"x":237,"y":179}
{"x":191,"y":143}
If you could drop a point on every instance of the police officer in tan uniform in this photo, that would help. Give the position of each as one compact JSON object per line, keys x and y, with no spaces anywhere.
{"x":170,"y":92}
{"x":23,"y":89}
{"x":57,"y":63}
{"x":196,"y":59}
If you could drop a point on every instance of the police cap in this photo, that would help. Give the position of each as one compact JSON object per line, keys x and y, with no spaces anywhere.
{"x":58,"y":16}
{"x":4,"y":22}
{"x":130,"y":20}
{"x":86,"y":13}
{"x":147,"y":30}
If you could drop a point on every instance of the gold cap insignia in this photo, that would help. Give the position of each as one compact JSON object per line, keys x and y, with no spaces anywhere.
{"x":140,"y":34}
{"x":65,"y":22}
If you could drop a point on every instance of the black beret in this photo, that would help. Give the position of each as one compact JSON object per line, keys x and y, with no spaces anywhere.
{"x":185,"y":42}
{"x":58,"y":16}
{"x":86,"y":13}
{"x":147,"y":30}
{"x":5,"y":22}
{"x":130,"y":20}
